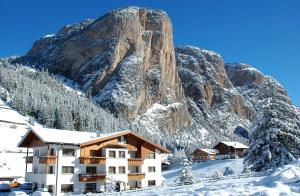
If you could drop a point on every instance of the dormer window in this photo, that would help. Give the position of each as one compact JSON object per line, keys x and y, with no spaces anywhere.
{"x":122,"y":139}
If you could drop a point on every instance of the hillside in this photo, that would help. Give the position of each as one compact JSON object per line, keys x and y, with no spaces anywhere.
{"x":12,"y":127}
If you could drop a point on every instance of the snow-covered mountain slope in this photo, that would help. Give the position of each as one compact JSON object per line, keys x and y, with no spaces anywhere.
{"x":284,"y":181}
{"x":12,"y":127}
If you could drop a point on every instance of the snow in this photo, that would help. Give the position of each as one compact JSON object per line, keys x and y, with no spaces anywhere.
{"x":155,"y":116}
{"x":284,"y":181}
{"x":11,"y":116}
{"x":12,"y":164}
{"x":48,"y":36}
{"x":12,"y":127}
{"x":70,"y":85}
{"x":200,"y":50}
{"x":61,"y":136}
{"x":235,"y":144}
{"x":207,"y":169}
{"x":209,"y":151}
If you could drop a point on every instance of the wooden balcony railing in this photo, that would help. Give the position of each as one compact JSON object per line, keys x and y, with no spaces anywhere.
{"x":92,"y":160}
{"x":29,"y":159}
{"x":135,"y":161}
{"x":136,"y":176}
{"x":91,"y":177}
{"x":47,"y":160}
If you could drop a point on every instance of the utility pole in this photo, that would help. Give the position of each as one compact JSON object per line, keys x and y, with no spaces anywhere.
{"x":56,"y":172}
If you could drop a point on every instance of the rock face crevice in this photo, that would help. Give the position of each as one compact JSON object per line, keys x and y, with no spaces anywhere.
{"x":127,"y":62}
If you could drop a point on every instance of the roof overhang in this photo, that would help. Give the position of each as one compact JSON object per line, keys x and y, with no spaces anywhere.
{"x":123,"y":133}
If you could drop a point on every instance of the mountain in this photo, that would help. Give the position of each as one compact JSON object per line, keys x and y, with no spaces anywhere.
{"x":126,"y":62}
{"x":124,"y":59}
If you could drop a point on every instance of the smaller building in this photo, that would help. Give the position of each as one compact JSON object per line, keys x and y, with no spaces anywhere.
{"x":204,"y":154}
{"x":230,"y":150}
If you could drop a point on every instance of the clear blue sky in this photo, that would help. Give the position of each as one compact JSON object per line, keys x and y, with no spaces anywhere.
{"x":265,"y":34}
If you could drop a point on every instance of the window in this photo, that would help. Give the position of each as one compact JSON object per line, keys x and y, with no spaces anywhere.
{"x":112,"y":154}
{"x":67,"y":170}
{"x":121,"y":170}
{"x":91,"y":170}
{"x":65,"y":188}
{"x":68,"y":152}
{"x":112,"y":170}
{"x":51,"y":170}
{"x":35,"y":170}
{"x":51,"y":152}
{"x":37,"y":152}
{"x":90,"y":187}
{"x":151,"y":169}
{"x":50,"y":188}
{"x":93,"y":153}
{"x":151,"y":156}
{"x":122,"y":139}
{"x":151,"y":182}
{"x":122,"y":154}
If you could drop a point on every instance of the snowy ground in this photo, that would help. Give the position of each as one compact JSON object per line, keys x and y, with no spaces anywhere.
{"x":285,"y":181}
{"x":12,"y":127}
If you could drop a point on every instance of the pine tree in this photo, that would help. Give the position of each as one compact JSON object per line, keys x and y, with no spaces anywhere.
{"x":186,"y":176}
{"x":275,"y":133}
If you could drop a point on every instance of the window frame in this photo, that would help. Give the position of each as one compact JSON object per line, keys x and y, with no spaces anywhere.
{"x":68,"y":191}
{"x":49,"y":169}
{"x":67,"y":169}
{"x":122,"y":151}
{"x":92,"y":188}
{"x":112,"y":151}
{"x":151,"y":156}
{"x":112,"y":167}
{"x":150,"y":184}
{"x":122,"y":169}
{"x":93,"y":153}
{"x":93,"y":169}
{"x":151,"y":169}
{"x":67,"y":154}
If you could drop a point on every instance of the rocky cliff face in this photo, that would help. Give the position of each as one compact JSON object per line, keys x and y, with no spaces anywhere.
{"x":213,"y":101}
{"x":126,"y":61}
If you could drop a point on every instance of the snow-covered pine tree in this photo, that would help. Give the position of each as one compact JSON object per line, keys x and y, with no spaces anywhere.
{"x":186,"y":175}
{"x":275,"y":133}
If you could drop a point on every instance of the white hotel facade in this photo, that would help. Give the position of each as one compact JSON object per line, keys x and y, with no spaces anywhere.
{"x":80,"y":162}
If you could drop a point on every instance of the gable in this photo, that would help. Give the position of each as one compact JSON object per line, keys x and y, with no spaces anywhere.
{"x":31,"y":140}
{"x":133,"y":143}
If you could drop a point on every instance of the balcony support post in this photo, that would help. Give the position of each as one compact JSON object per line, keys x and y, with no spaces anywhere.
{"x":26,"y":161}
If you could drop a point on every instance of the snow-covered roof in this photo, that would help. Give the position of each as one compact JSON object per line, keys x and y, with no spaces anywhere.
{"x":235,"y":144}
{"x":104,"y":135}
{"x":56,"y":136}
{"x":209,"y":151}
{"x":60,"y":136}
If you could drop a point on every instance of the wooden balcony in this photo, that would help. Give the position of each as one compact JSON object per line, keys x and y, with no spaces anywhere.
{"x":135,"y":161}
{"x":91,"y":177}
{"x":47,"y":160}
{"x":29,"y":159}
{"x":92,"y":160}
{"x":136,"y":176}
